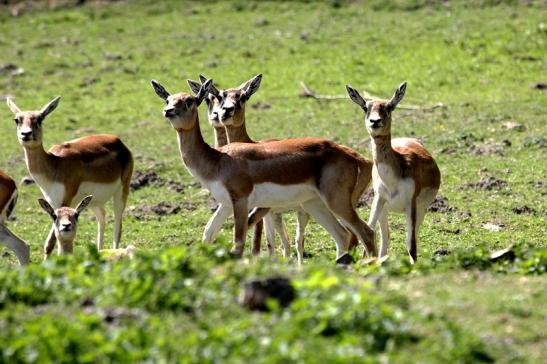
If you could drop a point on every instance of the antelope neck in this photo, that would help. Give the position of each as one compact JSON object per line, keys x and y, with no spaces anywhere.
{"x":238,"y":134}
{"x":195,"y":153}
{"x":221,"y":139}
{"x":37,"y":159}
{"x":382,"y":152}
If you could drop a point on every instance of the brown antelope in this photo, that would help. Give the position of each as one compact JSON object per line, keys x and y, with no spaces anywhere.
{"x":65,"y":220}
{"x":226,"y":112}
{"x":65,"y":223}
{"x":318,"y":174}
{"x":98,"y":165}
{"x":405,"y":176}
{"x":8,"y":199}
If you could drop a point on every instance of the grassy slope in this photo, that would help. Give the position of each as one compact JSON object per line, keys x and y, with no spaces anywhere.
{"x":479,"y":62}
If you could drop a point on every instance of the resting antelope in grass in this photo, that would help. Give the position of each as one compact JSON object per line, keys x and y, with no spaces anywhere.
{"x":405,"y":176}
{"x":226,"y":113}
{"x":98,"y":165}
{"x":318,"y":174}
{"x":8,"y":199}
{"x":65,"y":221}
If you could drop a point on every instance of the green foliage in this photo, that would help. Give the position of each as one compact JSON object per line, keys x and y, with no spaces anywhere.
{"x":483,"y":60}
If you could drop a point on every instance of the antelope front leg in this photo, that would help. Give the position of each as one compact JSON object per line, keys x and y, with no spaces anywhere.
{"x":302,"y":219}
{"x":215,"y":223}
{"x":240,"y":231}
{"x":19,"y":247}
{"x":280,"y":228}
{"x":411,"y":244}
{"x":50,"y":242}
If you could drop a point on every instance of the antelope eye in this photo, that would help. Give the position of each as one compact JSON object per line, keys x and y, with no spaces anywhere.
{"x":188,"y":103}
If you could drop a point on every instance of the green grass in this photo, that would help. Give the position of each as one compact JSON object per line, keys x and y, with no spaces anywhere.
{"x":478,"y":59}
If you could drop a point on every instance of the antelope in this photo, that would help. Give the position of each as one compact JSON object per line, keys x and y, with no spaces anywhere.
{"x":405,"y":176}
{"x":65,"y":223}
{"x":8,"y":199}
{"x":65,"y":220}
{"x":318,"y":174}
{"x":228,"y":121}
{"x":98,"y":165}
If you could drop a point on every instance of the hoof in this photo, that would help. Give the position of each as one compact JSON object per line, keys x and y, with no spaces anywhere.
{"x":345,"y":259}
{"x":236,"y":253}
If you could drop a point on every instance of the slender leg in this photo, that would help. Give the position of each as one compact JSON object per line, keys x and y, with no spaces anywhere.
{"x":319,"y":211}
{"x":257,"y":237}
{"x":215,"y":223}
{"x":240,"y":218}
{"x":100,"y":214}
{"x":19,"y":247}
{"x":120,"y":200}
{"x":280,"y":228}
{"x":257,"y":214}
{"x":269,"y":225}
{"x":302,"y":219}
{"x":411,"y":244}
{"x":384,"y":231}
{"x":50,"y":242}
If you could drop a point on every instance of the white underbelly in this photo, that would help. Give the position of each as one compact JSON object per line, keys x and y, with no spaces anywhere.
{"x":102,"y":192}
{"x":54,"y":192}
{"x":281,"y":196}
{"x":397,"y":197}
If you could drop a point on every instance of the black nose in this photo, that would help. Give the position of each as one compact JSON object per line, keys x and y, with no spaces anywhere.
{"x":228,"y":109}
{"x":375,"y":121}
{"x":66,"y":227}
{"x":169,"y":111}
{"x":26,"y":134}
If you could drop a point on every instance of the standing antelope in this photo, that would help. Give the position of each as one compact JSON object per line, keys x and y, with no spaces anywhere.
{"x":318,"y":174}
{"x":226,"y":113}
{"x":98,"y":165}
{"x":8,"y":199}
{"x":405,"y":176}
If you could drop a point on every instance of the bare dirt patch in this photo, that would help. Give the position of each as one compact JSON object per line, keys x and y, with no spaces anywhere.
{"x":520,"y":210}
{"x":486,"y":183}
{"x":161,"y":209}
{"x":440,"y":204}
{"x":144,"y":179}
{"x":490,"y":148}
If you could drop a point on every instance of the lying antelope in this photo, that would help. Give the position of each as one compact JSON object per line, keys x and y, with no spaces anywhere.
{"x":8,"y":199}
{"x":226,"y":113}
{"x":98,"y":165}
{"x":318,"y":174}
{"x":405,"y":176}
{"x":65,"y":223}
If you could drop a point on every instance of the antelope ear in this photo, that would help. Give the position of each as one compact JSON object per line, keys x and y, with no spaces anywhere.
{"x":160,"y":90}
{"x":194,"y":86}
{"x":52,"y":105}
{"x":14,"y":108}
{"x":250,"y":87}
{"x":202,"y":78}
{"x":203,"y":91}
{"x":83,"y":204}
{"x":47,"y":207}
{"x":397,"y":96}
{"x":356,"y":97}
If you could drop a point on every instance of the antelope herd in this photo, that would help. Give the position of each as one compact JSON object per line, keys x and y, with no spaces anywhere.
{"x":256,"y":182}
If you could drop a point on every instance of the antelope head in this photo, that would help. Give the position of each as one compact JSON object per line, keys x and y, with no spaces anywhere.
{"x":29,"y":123}
{"x":377,"y":112}
{"x":65,"y":220}
{"x":182,"y":108}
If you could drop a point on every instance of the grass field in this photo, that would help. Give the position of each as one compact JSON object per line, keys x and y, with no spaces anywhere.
{"x":483,"y":61}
